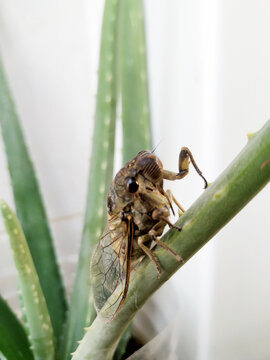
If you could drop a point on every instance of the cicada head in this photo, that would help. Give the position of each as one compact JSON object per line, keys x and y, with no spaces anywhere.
{"x":143,"y":171}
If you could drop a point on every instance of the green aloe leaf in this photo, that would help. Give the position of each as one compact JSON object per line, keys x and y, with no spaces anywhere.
{"x":30,"y":208}
{"x":134,"y":94}
{"x":221,"y":201}
{"x":38,"y":319}
{"x":14,"y":344}
{"x":82,"y":311}
{"x":133,"y":74}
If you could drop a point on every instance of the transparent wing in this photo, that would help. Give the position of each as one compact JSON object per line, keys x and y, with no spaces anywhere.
{"x":110,"y":269}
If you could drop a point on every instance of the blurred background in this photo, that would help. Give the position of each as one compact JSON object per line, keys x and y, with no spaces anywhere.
{"x":209,"y":83}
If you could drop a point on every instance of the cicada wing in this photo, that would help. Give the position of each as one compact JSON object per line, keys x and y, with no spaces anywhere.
{"x":110,"y":270}
{"x":105,"y":268}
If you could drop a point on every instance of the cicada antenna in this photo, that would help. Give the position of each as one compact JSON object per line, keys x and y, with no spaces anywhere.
{"x":155,"y":148}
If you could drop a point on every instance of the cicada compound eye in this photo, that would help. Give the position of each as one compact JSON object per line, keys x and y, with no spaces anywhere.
{"x":131,"y":184}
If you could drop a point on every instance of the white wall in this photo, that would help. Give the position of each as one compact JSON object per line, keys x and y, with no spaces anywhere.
{"x":210,"y":84}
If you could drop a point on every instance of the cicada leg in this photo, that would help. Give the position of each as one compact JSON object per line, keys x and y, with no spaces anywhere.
{"x":171,"y":199}
{"x":153,"y":233}
{"x":148,"y":252}
{"x":162,"y":215}
{"x":185,"y":157}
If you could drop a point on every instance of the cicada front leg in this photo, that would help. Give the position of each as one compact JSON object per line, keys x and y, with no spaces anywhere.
{"x":185,"y":157}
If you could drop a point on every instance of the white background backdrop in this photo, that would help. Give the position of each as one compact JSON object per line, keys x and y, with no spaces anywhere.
{"x":209,"y":79}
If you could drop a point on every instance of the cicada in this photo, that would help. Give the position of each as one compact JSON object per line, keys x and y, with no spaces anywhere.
{"x":138,"y":211}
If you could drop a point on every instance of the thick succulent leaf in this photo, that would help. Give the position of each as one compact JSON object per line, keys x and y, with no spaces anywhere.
{"x":14,"y":344}
{"x":133,"y":74}
{"x":38,"y":319}
{"x":30,"y":208}
{"x":134,"y":94}
{"x":82,"y":312}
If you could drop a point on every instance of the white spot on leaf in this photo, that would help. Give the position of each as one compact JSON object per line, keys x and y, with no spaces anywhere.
{"x":100,"y":212}
{"x":108,"y":77}
{"x":107,"y":120}
{"x":108,"y":99}
{"x":27,"y":268}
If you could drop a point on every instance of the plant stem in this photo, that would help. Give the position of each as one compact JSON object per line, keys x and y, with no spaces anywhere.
{"x":233,"y":189}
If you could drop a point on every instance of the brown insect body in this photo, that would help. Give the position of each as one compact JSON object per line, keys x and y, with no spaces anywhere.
{"x":138,"y":211}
